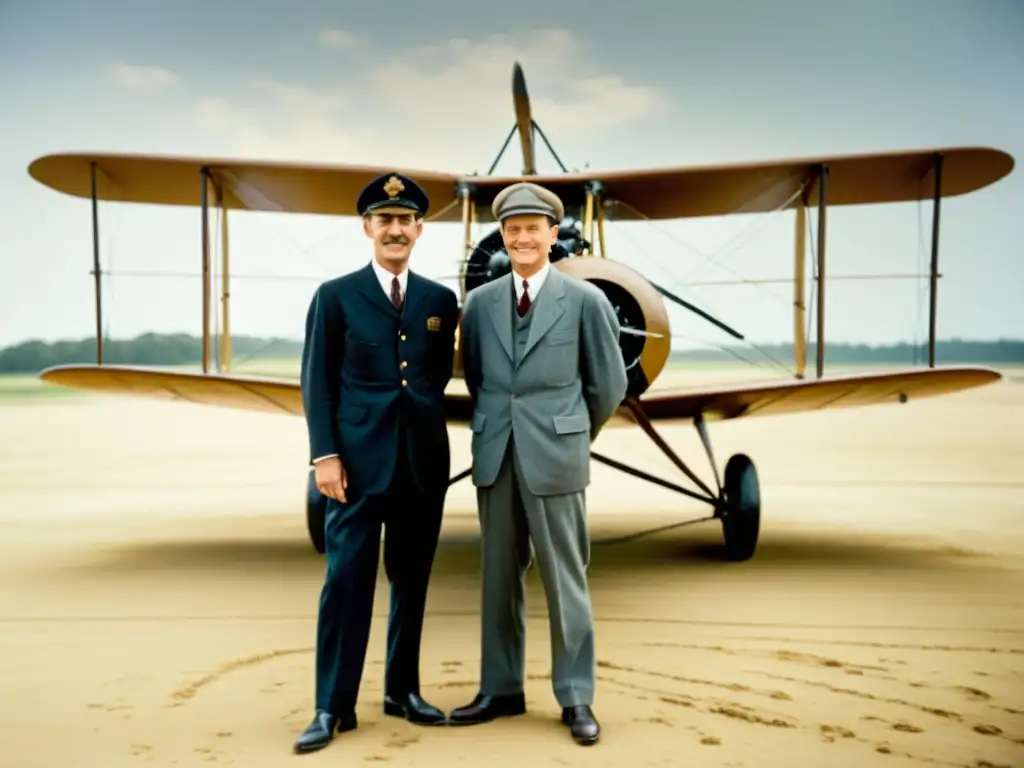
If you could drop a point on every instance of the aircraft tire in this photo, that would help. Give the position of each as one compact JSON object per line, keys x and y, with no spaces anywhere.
{"x":316,"y":514}
{"x":741,"y":522}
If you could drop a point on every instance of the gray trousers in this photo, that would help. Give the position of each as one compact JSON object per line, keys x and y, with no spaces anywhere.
{"x":510,"y":517}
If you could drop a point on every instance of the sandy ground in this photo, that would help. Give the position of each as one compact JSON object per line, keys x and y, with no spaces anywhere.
{"x":158,"y":598}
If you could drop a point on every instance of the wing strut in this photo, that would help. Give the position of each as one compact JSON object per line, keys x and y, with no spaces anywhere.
{"x":822,"y":220}
{"x":225,"y":294}
{"x":204,"y":174}
{"x":96,"y":264}
{"x":468,"y":218}
{"x":697,"y":311}
{"x":220,"y":184}
{"x":799,"y":304}
{"x":933,"y":283}
{"x":501,"y":151}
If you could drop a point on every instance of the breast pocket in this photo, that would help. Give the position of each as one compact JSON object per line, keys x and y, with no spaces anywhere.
{"x":559,"y":357}
{"x":364,"y":359}
{"x":562,"y":336}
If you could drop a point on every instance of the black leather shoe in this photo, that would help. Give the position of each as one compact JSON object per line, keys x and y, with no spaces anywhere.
{"x":582,"y":723}
{"x":486,"y":708}
{"x":414,"y":709}
{"x":320,"y":732}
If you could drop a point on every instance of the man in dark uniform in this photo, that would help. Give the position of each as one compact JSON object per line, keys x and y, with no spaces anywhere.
{"x":378,"y":354}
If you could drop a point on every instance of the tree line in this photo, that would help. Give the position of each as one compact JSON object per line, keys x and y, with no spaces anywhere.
{"x":147,"y":349}
{"x":950,"y":351}
{"x":185,"y":349}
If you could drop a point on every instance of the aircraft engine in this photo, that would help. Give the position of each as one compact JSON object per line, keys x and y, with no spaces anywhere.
{"x":645,"y":338}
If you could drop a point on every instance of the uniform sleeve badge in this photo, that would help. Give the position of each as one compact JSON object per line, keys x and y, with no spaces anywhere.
{"x":433,"y":323}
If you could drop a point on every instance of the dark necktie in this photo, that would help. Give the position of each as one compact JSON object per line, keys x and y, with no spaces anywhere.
{"x":524,"y":302}
{"x":396,"y":293}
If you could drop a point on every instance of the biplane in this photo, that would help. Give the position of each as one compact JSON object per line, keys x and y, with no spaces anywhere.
{"x":590,"y":199}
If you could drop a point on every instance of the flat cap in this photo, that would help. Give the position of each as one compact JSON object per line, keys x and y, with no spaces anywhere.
{"x":392,"y":190}
{"x":526,"y":197}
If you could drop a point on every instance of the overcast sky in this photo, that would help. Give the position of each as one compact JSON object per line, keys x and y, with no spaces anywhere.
{"x":428,"y":86}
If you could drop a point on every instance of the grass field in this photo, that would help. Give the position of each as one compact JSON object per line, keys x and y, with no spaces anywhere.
{"x":21,"y":387}
{"x":25,"y":388}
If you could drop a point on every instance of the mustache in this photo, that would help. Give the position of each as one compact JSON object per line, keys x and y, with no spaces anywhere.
{"x":399,"y":240}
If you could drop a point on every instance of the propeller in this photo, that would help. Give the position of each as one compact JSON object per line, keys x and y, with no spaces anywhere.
{"x":524,"y":121}
{"x":491,"y":259}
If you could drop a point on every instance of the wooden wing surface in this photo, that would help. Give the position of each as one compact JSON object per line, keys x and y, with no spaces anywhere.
{"x":796,"y":396}
{"x":715,"y":403}
{"x":661,"y":193}
{"x":257,"y":186}
{"x":762,"y":187}
{"x":248,"y":393}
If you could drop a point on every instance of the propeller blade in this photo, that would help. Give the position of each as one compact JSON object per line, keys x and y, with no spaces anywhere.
{"x":524,"y":121}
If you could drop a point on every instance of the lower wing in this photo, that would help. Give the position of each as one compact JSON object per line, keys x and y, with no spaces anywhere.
{"x":257,"y":393}
{"x":796,"y":396}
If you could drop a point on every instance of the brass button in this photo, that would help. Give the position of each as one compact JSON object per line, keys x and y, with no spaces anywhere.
{"x":404,"y":363}
{"x":403,"y":382}
{"x":403,"y":337}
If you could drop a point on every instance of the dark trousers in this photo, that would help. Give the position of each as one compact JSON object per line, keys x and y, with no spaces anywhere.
{"x":412,"y":524}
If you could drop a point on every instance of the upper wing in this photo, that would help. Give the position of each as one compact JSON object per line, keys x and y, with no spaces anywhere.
{"x":662,"y":193}
{"x":744,"y":400}
{"x":717,"y":403}
{"x":256,"y":186}
{"x":762,"y":187}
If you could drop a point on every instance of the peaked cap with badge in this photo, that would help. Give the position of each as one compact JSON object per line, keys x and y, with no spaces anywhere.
{"x":526,"y":197}
{"x":392,"y":192}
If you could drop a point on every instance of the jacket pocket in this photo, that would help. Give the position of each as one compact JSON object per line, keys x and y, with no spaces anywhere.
{"x":352,"y":414}
{"x":562,"y":336}
{"x":567,"y":425}
{"x":477,"y":424}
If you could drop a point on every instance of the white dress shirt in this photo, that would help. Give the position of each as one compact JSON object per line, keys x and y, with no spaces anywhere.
{"x":533,"y":283}
{"x":384,"y":278}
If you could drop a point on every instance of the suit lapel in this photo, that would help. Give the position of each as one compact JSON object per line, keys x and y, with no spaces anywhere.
{"x":370,"y":288}
{"x":501,"y":314}
{"x":546,"y":310}
{"x":414,"y":292}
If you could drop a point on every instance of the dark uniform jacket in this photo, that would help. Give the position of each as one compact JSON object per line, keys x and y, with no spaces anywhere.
{"x":373,"y":378}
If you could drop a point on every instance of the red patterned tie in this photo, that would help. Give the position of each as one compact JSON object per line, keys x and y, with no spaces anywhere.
{"x":524,"y":302}
{"x":396,"y":293}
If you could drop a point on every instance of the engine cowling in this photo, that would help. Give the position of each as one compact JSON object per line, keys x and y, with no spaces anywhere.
{"x":638,"y":305}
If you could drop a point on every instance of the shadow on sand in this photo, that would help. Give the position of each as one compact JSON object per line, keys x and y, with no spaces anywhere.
{"x":687,"y":551}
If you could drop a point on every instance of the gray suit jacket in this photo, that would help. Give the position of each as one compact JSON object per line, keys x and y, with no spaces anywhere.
{"x":570,"y":381}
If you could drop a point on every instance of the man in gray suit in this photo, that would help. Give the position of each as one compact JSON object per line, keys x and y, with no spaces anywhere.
{"x":542,"y":363}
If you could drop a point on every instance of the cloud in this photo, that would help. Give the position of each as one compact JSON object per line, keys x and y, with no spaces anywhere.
{"x":446,"y":105}
{"x":249,"y":132}
{"x":302,"y":98}
{"x":472,"y":79}
{"x":332,"y":37}
{"x":143,"y":77}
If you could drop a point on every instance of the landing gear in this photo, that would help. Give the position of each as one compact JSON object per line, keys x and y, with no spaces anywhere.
{"x":316,"y":514}
{"x":737,"y":500}
{"x":741,"y":515}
